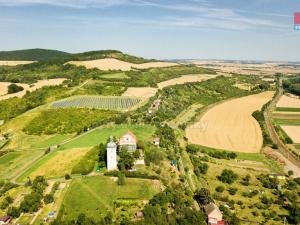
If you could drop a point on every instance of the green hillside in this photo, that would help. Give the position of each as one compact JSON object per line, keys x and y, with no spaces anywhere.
{"x":54,"y":55}
{"x":33,"y":55}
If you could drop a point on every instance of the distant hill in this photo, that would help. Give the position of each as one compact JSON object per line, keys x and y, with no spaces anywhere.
{"x":33,"y":55}
{"x":54,"y":55}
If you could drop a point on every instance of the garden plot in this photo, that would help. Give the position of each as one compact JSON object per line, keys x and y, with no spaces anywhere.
{"x":99,"y":102}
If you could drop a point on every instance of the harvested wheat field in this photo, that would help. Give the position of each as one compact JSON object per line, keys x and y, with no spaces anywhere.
{"x":289,"y":102}
{"x":27,"y":87}
{"x":143,"y":92}
{"x":293,"y":132}
{"x":230,"y":125}
{"x":185,"y":79}
{"x":148,"y":92}
{"x":14,"y":63}
{"x":115,"y":64}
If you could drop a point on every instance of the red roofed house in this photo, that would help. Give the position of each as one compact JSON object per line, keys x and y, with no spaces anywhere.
{"x":128,"y":141}
{"x":214,"y":215}
{"x":5,"y":220}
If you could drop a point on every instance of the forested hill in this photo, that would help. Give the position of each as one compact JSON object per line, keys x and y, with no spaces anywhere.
{"x":33,"y":55}
{"x":54,"y":55}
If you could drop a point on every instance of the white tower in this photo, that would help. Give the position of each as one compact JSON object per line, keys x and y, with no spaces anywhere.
{"x":111,"y":155}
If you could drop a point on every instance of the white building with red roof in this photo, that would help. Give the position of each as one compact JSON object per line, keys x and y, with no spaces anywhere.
{"x":128,"y":141}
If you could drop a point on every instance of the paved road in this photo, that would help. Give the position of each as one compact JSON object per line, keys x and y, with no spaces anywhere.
{"x":282,"y":148}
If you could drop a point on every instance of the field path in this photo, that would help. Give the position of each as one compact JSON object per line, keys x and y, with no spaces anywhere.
{"x":230,"y":125}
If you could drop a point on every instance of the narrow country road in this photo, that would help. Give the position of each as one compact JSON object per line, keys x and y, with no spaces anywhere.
{"x":291,"y":161}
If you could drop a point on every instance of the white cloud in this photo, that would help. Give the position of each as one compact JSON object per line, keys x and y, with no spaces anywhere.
{"x":64,"y":3}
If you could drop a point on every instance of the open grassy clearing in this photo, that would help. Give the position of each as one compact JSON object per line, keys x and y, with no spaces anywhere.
{"x":13,"y":163}
{"x":95,"y":196}
{"x":230,"y":125}
{"x":50,"y":140}
{"x":253,"y":161}
{"x":55,"y":164}
{"x":115,"y":76}
{"x":100,"y":135}
{"x":99,"y":102}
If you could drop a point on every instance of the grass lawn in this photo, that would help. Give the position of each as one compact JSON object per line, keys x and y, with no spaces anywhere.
{"x":95,"y":196}
{"x":100,"y":135}
{"x":288,"y":109}
{"x":12,"y":163}
{"x":255,"y":157}
{"x":115,"y":76}
{"x":287,"y":122}
{"x":55,"y":164}
{"x":50,"y":140}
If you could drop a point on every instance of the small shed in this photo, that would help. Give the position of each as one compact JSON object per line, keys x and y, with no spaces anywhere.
{"x":156,"y":141}
{"x":279,"y":176}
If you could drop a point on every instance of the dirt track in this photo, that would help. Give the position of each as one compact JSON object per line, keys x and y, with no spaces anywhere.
{"x":230,"y":125}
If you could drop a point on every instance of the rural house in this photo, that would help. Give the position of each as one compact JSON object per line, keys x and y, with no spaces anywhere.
{"x":128,"y":141}
{"x":214,"y":215}
{"x":5,"y":220}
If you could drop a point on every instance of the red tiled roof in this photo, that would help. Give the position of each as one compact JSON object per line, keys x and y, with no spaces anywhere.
{"x":5,"y":218}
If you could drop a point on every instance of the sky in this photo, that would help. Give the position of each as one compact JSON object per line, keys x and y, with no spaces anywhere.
{"x":161,"y":29}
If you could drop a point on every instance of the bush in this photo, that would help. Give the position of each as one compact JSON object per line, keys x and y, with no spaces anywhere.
{"x":220,"y":189}
{"x":121,"y":178}
{"x":13,"y":88}
{"x":13,"y":212}
{"x":67,"y":176}
{"x":49,"y":198}
{"x":232,"y":191}
{"x":227,"y":176}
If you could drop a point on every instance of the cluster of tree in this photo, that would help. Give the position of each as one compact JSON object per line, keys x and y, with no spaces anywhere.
{"x":227,"y":176}
{"x":177,"y":98}
{"x":13,"y":88}
{"x":292,"y":85}
{"x":199,"y":166}
{"x":259,"y":116}
{"x":194,"y":149}
{"x":167,"y":136}
{"x":49,"y":198}
{"x":171,"y":207}
{"x":5,"y":186}
{"x":268,"y":182}
{"x":126,"y":160}
{"x":13,"y":107}
{"x":32,"y":201}
{"x":154,"y":155}
{"x":68,"y":120}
